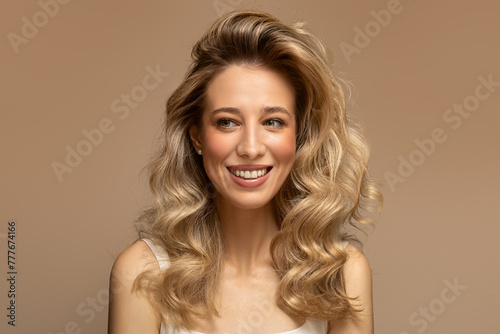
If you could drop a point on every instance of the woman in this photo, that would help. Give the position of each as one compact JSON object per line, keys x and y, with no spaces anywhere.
{"x":259,"y":171}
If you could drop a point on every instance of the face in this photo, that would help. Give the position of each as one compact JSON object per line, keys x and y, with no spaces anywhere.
{"x":247,"y":134}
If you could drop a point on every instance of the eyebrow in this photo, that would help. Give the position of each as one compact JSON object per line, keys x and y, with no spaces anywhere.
{"x":274,"y":109}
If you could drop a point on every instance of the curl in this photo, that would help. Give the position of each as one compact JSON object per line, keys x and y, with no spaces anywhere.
{"x":328,"y":187}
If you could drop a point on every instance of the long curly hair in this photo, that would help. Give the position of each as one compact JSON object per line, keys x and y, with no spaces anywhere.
{"x":327,"y":189}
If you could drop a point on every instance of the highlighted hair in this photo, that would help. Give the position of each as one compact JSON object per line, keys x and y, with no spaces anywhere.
{"x":327,"y":188}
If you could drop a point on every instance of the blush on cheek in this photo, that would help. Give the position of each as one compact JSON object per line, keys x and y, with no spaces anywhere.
{"x":286,"y":149}
{"x":215,"y":150}
{"x":217,"y":147}
{"x":285,"y":154}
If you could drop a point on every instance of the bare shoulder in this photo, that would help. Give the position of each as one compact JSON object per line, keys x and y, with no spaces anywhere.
{"x":358,"y":276}
{"x":129,"y":311}
{"x":134,"y":260}
{"x":358,"y":285}
{"x":357,"y":266}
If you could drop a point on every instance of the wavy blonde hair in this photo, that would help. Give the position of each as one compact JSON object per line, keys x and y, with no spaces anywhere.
{"x":326,"y":189}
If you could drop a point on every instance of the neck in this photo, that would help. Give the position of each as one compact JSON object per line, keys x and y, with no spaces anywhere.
{"x":247,"y":235}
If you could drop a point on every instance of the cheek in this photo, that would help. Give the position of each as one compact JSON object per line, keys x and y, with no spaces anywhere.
{"x":215,"y":149}
{"x":284,"y":148}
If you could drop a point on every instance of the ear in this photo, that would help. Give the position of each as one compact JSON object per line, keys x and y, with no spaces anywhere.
{"x":195,"y":135}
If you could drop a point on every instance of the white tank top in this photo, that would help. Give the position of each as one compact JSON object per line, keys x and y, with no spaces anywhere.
{"x":310,"y":326}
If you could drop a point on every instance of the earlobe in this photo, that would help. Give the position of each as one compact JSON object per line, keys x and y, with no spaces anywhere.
{"x":195,"y":137}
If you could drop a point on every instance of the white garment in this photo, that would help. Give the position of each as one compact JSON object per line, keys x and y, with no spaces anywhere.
{"x":310,"y":326}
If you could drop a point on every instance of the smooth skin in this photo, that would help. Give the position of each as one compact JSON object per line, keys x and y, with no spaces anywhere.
{"x":249,"y":119}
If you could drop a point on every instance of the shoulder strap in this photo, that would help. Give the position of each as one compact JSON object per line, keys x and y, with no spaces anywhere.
{"x":160,"y":254}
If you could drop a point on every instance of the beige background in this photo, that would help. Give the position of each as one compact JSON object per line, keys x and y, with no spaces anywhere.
{"x":438,"y":227}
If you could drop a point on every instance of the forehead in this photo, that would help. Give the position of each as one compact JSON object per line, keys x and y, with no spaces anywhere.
{"x":250,"y":88}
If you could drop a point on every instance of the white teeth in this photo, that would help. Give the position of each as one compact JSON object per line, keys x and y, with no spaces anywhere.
{"x":249,"y":174}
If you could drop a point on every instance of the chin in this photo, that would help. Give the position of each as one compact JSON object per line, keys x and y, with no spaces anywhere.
{"x":246,"y":203}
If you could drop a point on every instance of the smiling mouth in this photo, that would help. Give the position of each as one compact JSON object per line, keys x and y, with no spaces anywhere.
{"x":250,"y":174}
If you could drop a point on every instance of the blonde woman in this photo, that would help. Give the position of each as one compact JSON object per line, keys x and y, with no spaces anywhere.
{"x":259,"y":171}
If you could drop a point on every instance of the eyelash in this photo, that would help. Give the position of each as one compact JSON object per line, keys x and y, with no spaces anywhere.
{"x":279,"y":125}
{"x":280,"y":122}
{"x":220,"y":121}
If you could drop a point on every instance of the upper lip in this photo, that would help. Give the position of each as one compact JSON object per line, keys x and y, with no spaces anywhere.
{"x":248,"y":167}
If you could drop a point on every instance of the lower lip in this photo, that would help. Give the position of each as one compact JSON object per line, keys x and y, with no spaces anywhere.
{"x":249,"y":183}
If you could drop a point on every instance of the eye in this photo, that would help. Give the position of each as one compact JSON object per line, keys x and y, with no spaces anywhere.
{"x":225,"y":123}
{"x":274,"y":122}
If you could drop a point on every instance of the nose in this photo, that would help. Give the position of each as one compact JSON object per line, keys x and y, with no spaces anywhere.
{"x":250,"y":144}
